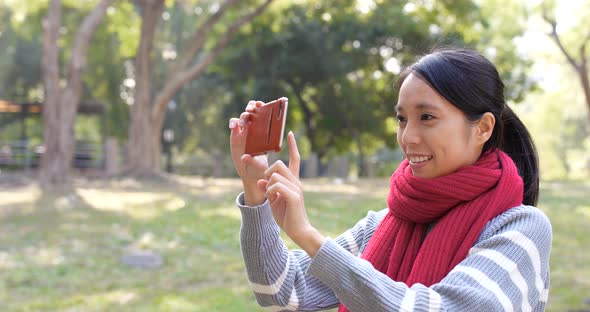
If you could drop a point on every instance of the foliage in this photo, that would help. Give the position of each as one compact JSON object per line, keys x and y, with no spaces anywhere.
{"x":20,"y":64}
{"x":338,"y":64}
{"x":558,"y":133}
{"x":20,"y":76}
{"x":557,"y":115}
{"x":336,"y":61}
{"x":116,"y":38}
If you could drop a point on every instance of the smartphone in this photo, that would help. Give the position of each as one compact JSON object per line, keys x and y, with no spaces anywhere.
{"x":266,"y":128}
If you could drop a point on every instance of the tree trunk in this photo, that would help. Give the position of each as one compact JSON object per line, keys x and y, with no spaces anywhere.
{"x":583,"y":74}
{"x":310,"y":124}
{"x":143,"y":149}
{"x":362,"y":163}
{"x":54,"y":169}
{"x":60,"y":106}
{"x":144,"y":146}
{"x":148,"y":111}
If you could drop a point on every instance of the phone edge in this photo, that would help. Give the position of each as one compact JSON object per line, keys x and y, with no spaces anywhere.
{"x":285,"y":109}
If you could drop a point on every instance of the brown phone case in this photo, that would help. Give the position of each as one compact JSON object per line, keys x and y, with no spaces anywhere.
{"x":266,"y":127}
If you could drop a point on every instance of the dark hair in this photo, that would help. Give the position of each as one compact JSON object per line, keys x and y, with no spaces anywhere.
{"x":471,"y":83}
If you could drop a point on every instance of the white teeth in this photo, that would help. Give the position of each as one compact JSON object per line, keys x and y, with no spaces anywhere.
{"x":419,"y":159}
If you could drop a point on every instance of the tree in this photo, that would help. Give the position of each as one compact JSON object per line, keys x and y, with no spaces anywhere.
{"x":19,"y":63}
{"x":149,"y":109}
{"x":338,"y":64}
{"x":324,"y":57}
{"x":579,"y":64}
{"x":61,"y":103}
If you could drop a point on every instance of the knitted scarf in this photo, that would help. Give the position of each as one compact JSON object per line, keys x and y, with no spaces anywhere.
{"x":460,"y":203}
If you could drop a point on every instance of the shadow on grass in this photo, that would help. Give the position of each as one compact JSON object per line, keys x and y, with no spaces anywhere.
{"x":64,"y":253}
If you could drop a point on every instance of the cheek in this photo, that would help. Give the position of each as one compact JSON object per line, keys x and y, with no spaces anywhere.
{"x":450,"y":146}
{"x":458,"y":150}
{"x":400,"y":133}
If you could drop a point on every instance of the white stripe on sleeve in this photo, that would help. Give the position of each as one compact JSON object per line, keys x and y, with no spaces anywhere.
{"x":291,"y":306}
{"x":408,"y":301}
{"x":533,"y":253}
{"x":509,"y":266}
{"x":354,"y":248}
{"x":434,"y":301}
{"x":274,"y":288}
{"x":485,"y":282}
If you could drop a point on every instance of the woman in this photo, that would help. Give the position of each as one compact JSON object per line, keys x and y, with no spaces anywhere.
{"x":460,"y":233}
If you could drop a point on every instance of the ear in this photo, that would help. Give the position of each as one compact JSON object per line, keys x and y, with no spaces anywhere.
{"x":485,"y":127}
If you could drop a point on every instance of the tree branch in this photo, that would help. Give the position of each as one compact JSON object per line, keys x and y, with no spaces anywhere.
{"x":177,"y":81}
{"x":85,"y":33}
{"x":200,"y":37}
{"x":581,"y":67}
{"x":553,"y":34}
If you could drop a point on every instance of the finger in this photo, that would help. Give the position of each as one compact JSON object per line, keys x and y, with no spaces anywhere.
{"x":294,"y":157}
{"x":272,"y":191}
{"x":280,"y":168}
{"x":277,"y":178}
{"x":244,"y":118}
{"x":262,"y":185}
{"x":250,"y":106}
{"x":233,"y":123}
{"x":276,"y":200}
{"x":272,"y":198}
{"x":235,"y":130}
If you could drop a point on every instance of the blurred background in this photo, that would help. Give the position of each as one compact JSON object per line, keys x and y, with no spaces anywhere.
{"x":116,"y":184}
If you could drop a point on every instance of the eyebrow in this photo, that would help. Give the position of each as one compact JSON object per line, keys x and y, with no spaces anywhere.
{"x":427,"y":106}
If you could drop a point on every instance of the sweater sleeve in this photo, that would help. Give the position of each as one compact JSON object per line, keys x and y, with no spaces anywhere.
{"x":278,"y":276}
{"x":506,"y":270}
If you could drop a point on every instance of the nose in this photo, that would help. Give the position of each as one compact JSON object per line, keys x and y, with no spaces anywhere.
{"x":410,"y":134}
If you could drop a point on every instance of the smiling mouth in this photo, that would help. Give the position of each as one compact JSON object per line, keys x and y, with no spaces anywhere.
{"x":414,"y":160}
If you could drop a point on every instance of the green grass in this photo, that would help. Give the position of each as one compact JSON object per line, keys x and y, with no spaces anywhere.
{"x":63,"y":253}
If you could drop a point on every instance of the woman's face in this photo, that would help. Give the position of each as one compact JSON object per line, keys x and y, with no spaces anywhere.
{"x":435,"y":136}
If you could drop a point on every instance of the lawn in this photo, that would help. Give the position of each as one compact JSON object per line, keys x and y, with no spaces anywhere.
{"x":64,"y":253}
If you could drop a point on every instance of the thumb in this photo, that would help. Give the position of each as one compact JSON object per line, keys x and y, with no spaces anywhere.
{"x":248,"y":160}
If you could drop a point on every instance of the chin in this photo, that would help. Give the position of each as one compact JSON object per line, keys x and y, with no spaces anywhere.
{"x":422,"y":175}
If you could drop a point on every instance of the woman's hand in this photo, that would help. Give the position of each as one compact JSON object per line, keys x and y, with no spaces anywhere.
{"x":250,"y":169}
{"x":284,"y":191}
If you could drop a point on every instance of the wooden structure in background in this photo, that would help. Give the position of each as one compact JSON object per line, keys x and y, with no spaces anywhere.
{"x":19,"y":154}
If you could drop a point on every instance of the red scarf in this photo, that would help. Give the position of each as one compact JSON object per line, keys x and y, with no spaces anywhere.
{"x":460,"y":203}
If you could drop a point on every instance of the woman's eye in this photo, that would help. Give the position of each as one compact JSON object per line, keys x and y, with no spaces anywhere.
{"x":400,"y":119}
{"x":426,"y":117}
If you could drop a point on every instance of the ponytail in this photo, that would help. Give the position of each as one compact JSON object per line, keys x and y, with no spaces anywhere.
{"x":512,"y":137}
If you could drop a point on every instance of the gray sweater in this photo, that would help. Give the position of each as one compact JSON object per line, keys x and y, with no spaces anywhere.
{"x":506,"y":270}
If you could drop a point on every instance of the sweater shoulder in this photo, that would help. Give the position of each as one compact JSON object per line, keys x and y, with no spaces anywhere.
{"x":372,"y":220}
{"x":528,"y":220}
